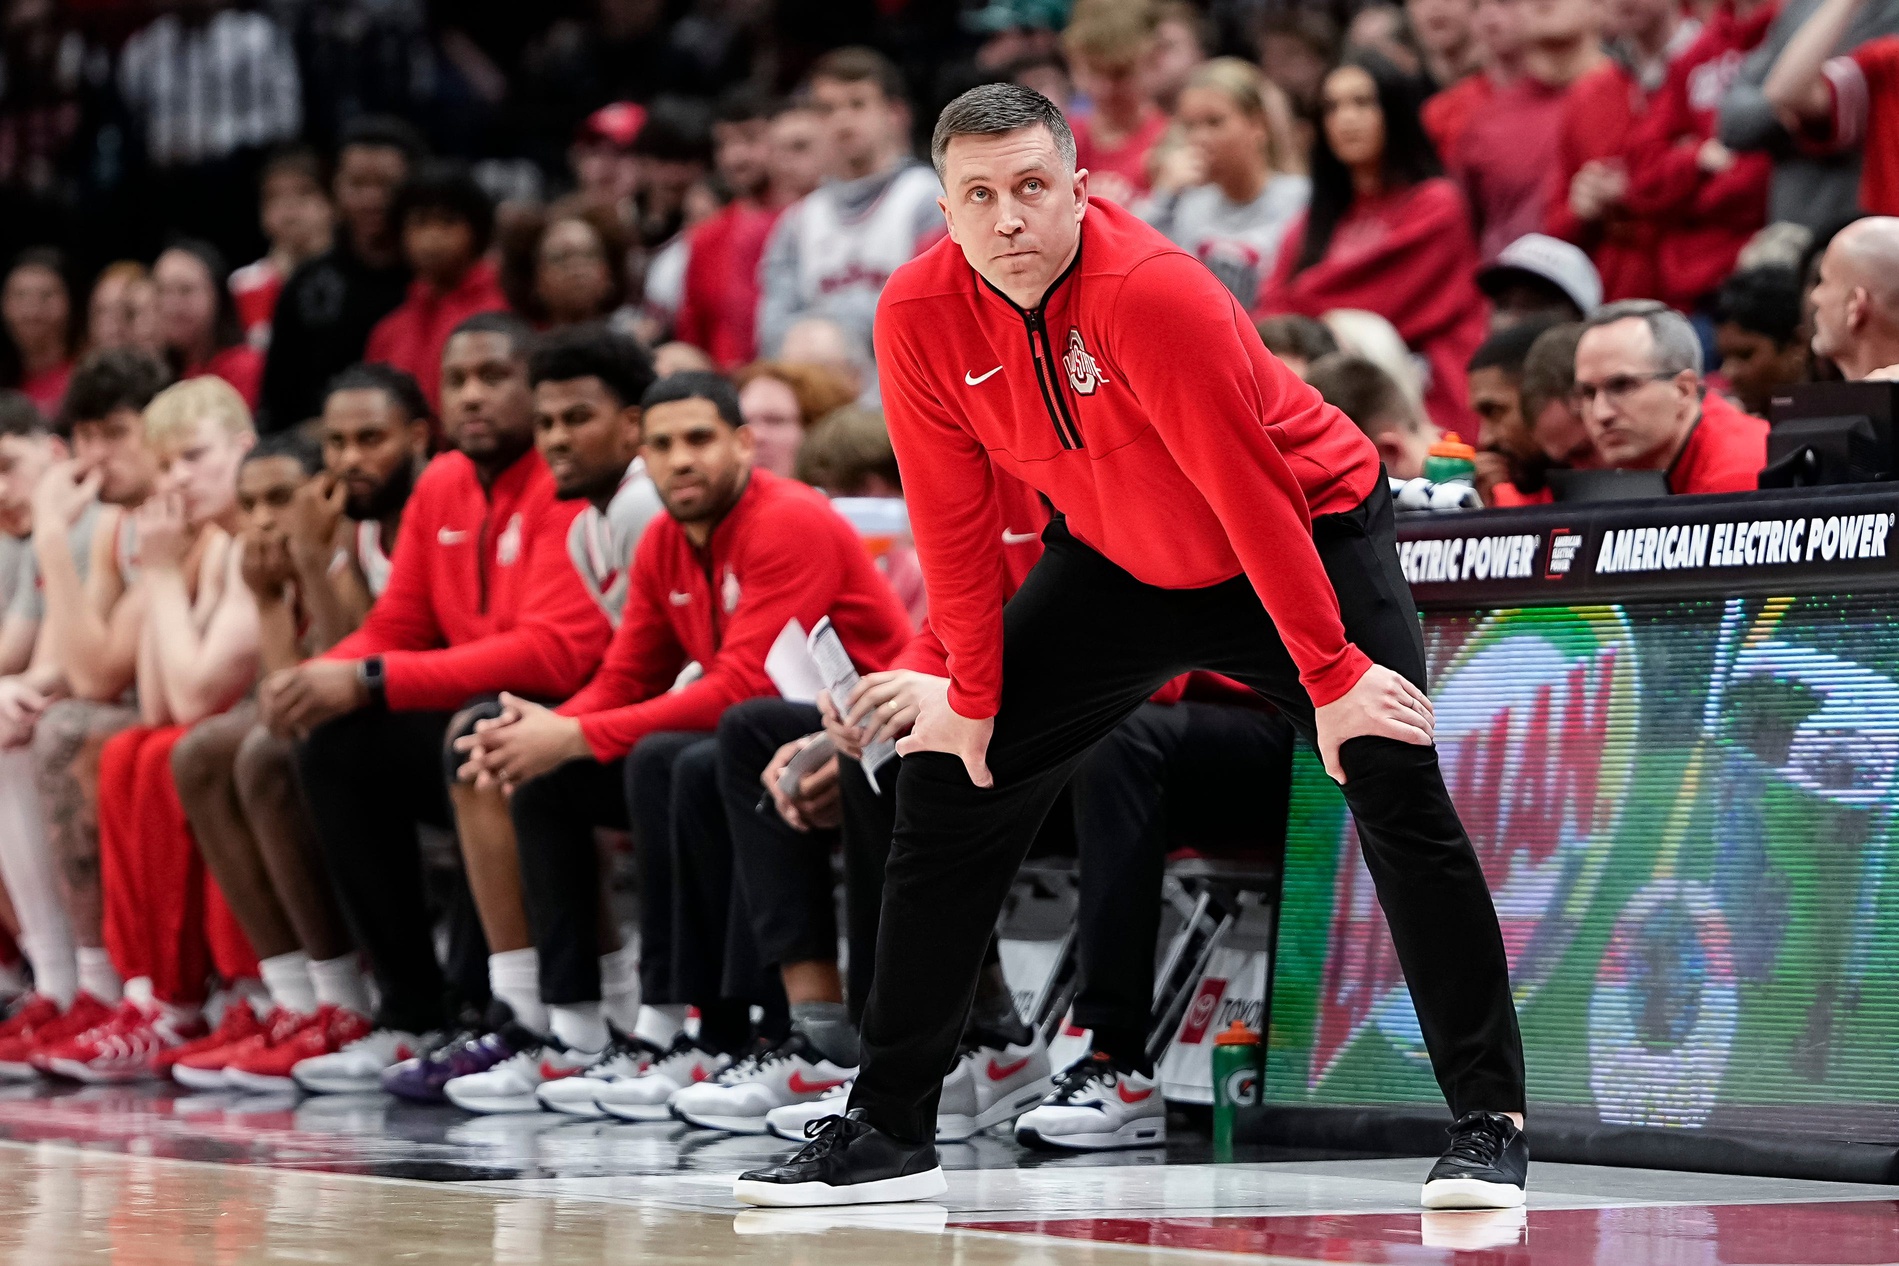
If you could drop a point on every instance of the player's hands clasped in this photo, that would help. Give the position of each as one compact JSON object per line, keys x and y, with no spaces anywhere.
{"x":1383,"y":704}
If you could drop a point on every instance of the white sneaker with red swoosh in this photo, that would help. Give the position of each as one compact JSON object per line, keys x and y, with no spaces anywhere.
{"x":1096,"y":1106}
{"x":510,"y":1085}
{"x":739,"y":1099}
{"x":991,"y":1085}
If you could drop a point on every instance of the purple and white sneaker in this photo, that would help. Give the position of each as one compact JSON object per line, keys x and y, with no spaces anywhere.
{"x":420,"y":1080}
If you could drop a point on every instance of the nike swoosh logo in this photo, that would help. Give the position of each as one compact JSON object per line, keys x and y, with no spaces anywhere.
{"x":1002,"y":1072}
{"x":1019,"y":538}
{"x":551,"y":1072}
{"x":679,"y":599}
{"x":978,"y":379}
{"x":449,"y":536}
{"x":1135,"y":1097}
{"x":797,"y":1085}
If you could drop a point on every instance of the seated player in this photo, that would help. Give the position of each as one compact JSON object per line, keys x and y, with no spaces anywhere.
{"x":165,"y":923}
{"x":739,"y":554}
{"x":587,"y":385}
{"x":1396,"y":425}
{"x":316,"y":554}
{"x":1511,"y":465}
{"x":480,"y":599}
{"x":70,"y":700}
{"x":1639,"y":390}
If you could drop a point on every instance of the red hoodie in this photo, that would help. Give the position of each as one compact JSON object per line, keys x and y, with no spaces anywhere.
{"x":413,"y":336}
{"x":1409,"y":257}
{"x":1138,"y":398}
{"x":481,"y":595}
{"x":1701,"y":220}
{"x":1599,"y":119}
{"x":780,"y":554}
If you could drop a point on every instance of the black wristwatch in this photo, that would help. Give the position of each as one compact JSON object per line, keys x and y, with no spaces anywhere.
{"x":369,"y":672}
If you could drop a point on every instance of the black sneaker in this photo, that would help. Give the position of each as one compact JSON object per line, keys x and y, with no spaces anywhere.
{"x":847,"y":1161}
{"x":1484,"y":1167}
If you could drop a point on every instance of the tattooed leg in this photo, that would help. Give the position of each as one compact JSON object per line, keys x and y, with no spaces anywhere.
{"x":66,"y":745}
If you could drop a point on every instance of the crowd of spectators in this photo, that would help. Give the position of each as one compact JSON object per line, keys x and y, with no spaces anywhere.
{"x":378,"y":374}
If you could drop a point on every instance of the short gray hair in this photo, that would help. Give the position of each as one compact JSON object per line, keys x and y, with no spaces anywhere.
{"x":991,"y":110}
{"x":1676,"y":345}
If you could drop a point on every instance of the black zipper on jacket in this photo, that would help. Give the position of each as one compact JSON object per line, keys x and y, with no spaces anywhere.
{"x":1047,"y":368}
{"x":481,"y":557}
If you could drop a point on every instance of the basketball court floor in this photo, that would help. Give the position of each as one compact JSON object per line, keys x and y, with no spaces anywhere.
{"x":156,"y":1175}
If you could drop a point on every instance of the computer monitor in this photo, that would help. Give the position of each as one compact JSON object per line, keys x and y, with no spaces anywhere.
{"x":1578,"y":486}
{"x":1832,"y":433}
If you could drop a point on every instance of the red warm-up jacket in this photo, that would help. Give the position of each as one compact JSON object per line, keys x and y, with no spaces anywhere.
{"x":481,"y":595}
{"x":1701,"y":219}
{"x":1138,"y":398}
{"x":413,"y":336}
{"x":780,"y":554}
{"x":1599,"y":119}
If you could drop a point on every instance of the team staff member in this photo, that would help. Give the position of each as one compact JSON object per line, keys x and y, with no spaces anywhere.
{"x":1108,"y":369}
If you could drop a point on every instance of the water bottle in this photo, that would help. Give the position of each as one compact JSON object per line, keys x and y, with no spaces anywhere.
{"x":1238,"y":1070}
{"x":1451,"y":460}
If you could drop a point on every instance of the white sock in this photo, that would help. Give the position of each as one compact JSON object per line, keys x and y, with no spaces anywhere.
{"x":620,"y":987}
{"x":660,"y":1025}
{"x":287,"y":977}
{"x":339,"y":983}
{"x":98,"y":977}
{"x":578,"y":1025}
{"x":26,"y":867}
{"x":515,"y":978}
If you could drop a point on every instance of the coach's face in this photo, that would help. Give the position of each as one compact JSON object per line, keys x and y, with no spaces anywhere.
{"x":1015,"y":208}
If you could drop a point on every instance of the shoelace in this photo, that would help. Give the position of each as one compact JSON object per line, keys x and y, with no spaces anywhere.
{"x":754,"y":1065}
{"x":1079,"y":1075}
{"x":827,"y":1134}
{"x":1476,"y":1140}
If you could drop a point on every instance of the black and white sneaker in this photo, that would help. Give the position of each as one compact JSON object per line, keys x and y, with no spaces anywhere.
{"x":847,"y":1161}
{"x":1485,"y":1166}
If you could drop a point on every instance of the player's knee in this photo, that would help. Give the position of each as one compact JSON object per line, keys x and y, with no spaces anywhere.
{"x":263,"y":764}
{"x":201,"y":761}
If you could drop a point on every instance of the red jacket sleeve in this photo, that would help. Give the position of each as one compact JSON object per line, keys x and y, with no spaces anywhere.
{"x":556,"y":641}
{"x":1663,"y":172}
{"x":952,"y":494}
{"x":1188,"y":363}
{"x":791,"y":572}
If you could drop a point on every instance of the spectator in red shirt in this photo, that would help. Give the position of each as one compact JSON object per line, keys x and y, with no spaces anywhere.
{"x":1840,"y":103}
{"x":1584,"y":202}
{"x":446,"y":221}
{"x":1505,"y":154}
{"x":1386,"y":232}
{"x":299,"y":220}
{"x":36,"y":308}
{"x":1639,"y":390}
{"x":770,"y":155}
{"x":197,"y":319}
{"x":1109,"y":44}
{"x":1703,"y":200}
{"x":1497,"y":30}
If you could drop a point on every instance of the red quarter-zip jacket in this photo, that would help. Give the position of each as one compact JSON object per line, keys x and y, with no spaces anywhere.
{"x":1138,"y":398}
{"x":481,"y":596}
{"x":780,"y":554}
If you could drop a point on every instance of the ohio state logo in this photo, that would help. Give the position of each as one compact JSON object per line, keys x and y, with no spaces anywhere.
{"x":1084,"y":375}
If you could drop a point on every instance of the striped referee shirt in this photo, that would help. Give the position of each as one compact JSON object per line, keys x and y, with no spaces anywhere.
{"x":204,"y":92}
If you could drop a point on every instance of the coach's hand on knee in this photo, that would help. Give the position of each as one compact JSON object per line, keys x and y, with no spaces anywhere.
{"x":940,"y":728}
{"x":1383,"y":704}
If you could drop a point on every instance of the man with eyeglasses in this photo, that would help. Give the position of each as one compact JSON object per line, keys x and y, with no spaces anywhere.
{"x":1638,"y":390}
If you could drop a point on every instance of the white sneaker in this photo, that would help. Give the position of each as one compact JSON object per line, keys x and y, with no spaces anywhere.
{"x":624,"y":1057}
{"x":739,"y":1099}
{"x":648,"y":1096}
{"x":510,"y":1085}
{"x":357,"y":1067}
{"x":991,"y":1085}
{"x":789,"y":1121}
{"x":1094,"y":1107}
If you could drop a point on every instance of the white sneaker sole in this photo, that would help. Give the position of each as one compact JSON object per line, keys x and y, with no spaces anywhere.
{"x":199,"y":1078}
{"x":18,"y":1072}
{"x":731,"y":1125}
{"x":491,"y":1105}
{"x":955,"y":1127}
{"x":79,"y":1071}
{"x":571,"y":1106}
{"x":1140,"y":1132}
{"x":319,"y":1083}
{"x":258,"y":1083}
{"x":1470,"y":1193}
{"x":647,"y":1112}
{"x":807,"y":1195}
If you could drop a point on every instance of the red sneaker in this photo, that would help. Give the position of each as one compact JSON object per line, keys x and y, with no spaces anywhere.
{"x":267,"y":1069}
{"x":18,"y":1049}
{"x":201,"y":1064}
{"x":16,"y":1035}
{"x":119,"y":1050}
{"x":236,"y":1024}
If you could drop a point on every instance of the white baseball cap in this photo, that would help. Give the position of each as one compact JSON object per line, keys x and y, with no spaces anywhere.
{"x":1549,"y":259}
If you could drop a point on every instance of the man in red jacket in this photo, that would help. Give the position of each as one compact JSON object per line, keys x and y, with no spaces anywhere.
{"x":739,"y":554}
{"x":1216,"y":514}
{"x":481,"y":598}
{"x":1639,"y":390}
